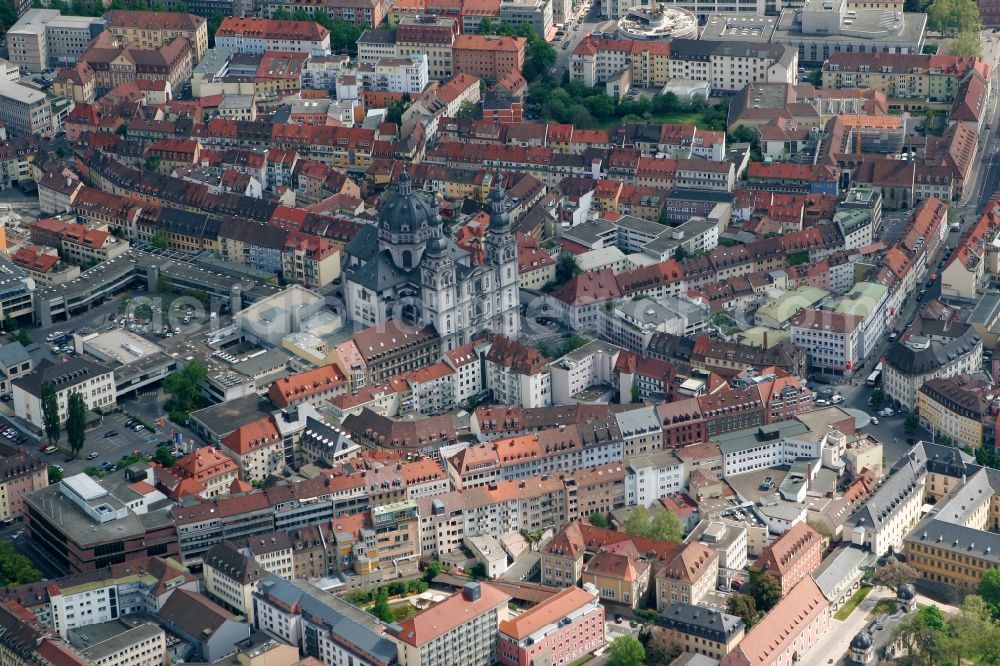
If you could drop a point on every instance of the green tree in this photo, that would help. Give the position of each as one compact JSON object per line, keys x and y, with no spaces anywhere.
{"x":343,"y":34}
{"x":895,"y":573}
{"x":76,"y":422}
{"x":660,"y":647}
{"x":765,"y":590}
{"x":566,"y":268}
{"x":597,"y":519}
{"x":469,"y":111}
{"x":877,"y":398}
{"x":281,"y":14}
{"x":50,"y":412}
{"x":486,"y":27}
{"x":394,"y":114}
{"x":681,"y":253}
{"x":626,"y":651}
{"x":953,"y":17}
{"x":164,"y":457}
{"x":432,"y":570}
{"x":160,"y":240}
{"x":923,"y":633}
{"x":381,"y":608}
{"x":989,"y":590}
{"x":743,"y":606}
{"x":55,"y":476}
{"x":152,"y":162}
{"x":967,"y":44}
{"x":666,"y":526}
{"x":24,"y":338}
{"x":184,"y":388}
{"x":15,"y":568}
{"x":212,"y":25}
{"x":637,"y":521}
{"x":815,"y":77}
{"x":911,"y":422}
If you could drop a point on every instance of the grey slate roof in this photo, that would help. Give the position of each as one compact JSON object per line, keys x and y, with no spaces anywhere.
{"x":700,"y":621}
{"x":64,"y":375}
{"x":908,"y":361}
{"x":906,"y":478}
{"x":839,"y":566}
{"x":349,"y":624}
{"x":13,"y":354}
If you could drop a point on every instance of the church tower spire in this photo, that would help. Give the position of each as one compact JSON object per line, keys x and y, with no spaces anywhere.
{"x":501,"y":256}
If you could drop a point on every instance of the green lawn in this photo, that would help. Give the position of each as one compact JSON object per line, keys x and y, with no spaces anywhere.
{"x":583,"y":660}
{"x":883,"y":607}
{"x":403,"y":611}
{"x":681,"y":118}
{"x":852,"y":603}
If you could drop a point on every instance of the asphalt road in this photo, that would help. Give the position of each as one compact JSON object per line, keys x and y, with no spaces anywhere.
{"x":574,"y":35}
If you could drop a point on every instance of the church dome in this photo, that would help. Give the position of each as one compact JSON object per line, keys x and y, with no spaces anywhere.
{"x":862,"y":641}
{"x":405,"y":211}
{"x":906,"y":592}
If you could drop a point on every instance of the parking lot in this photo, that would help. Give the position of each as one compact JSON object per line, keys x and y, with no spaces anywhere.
{"x":109,"y":449}
{"x":748,"y":485}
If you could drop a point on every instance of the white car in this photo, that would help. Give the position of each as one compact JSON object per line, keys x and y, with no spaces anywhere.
{"x":874,"y":421}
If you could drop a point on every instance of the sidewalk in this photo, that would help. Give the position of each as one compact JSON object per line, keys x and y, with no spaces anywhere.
{"x":832,"y":647}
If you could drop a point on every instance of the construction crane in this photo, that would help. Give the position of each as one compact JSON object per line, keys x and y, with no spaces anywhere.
{"x":858,"y":93}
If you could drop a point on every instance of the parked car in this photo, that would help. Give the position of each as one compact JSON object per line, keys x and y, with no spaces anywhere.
{"x":875,"y":420}
{"x":107,"y":466}
{"x":92,"y":455}
{"x":49,"y":450}
{"x":111,"y":433}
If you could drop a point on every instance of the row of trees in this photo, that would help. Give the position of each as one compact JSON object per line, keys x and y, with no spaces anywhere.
{"x":572,"y":102}
{"x":76,"y":417}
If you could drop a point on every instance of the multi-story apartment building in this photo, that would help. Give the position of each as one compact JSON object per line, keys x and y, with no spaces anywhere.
{"x":310,"y":260}
{"x":728,"y":66}
{"x":488,"y":57}
{"x":322,"y":625}
{"x":43,"y":38}
{"x":832,"y":339}
{"x":433,"y":36}
{"x":362,"y":13}
{"x":206,"y":472}
{"x":93,"y":381}
{"x":15,"y":362}
{"x":957,"y":407}
{"x":688,"y":577}
{"x":567,"y":626}
{"x":596,"y":60}
{"x":701,"y":630}
{"x":793,"y":556}
{"x":67,"y":38}
{"x":793,"y":626}
{"x":20,"y":474}
{"x":902,"y":76}
{"x":909,"y":364}
{"x":257,"y":35}
{"x":891,"y":511}
{"x":114,"y":64}
{"x":650,"y":476}
{"x":401,"y":75}
{"x":25,"y":111}
{"x":257,"y":447}
{"x":231,"y":578}
{"x":128,"y":588}
{"x":152,"y":30}
{"x":545,"y":452}
{"x":201,"y":526}
{"x":464,"y":628}
{"x":538,"y":14}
